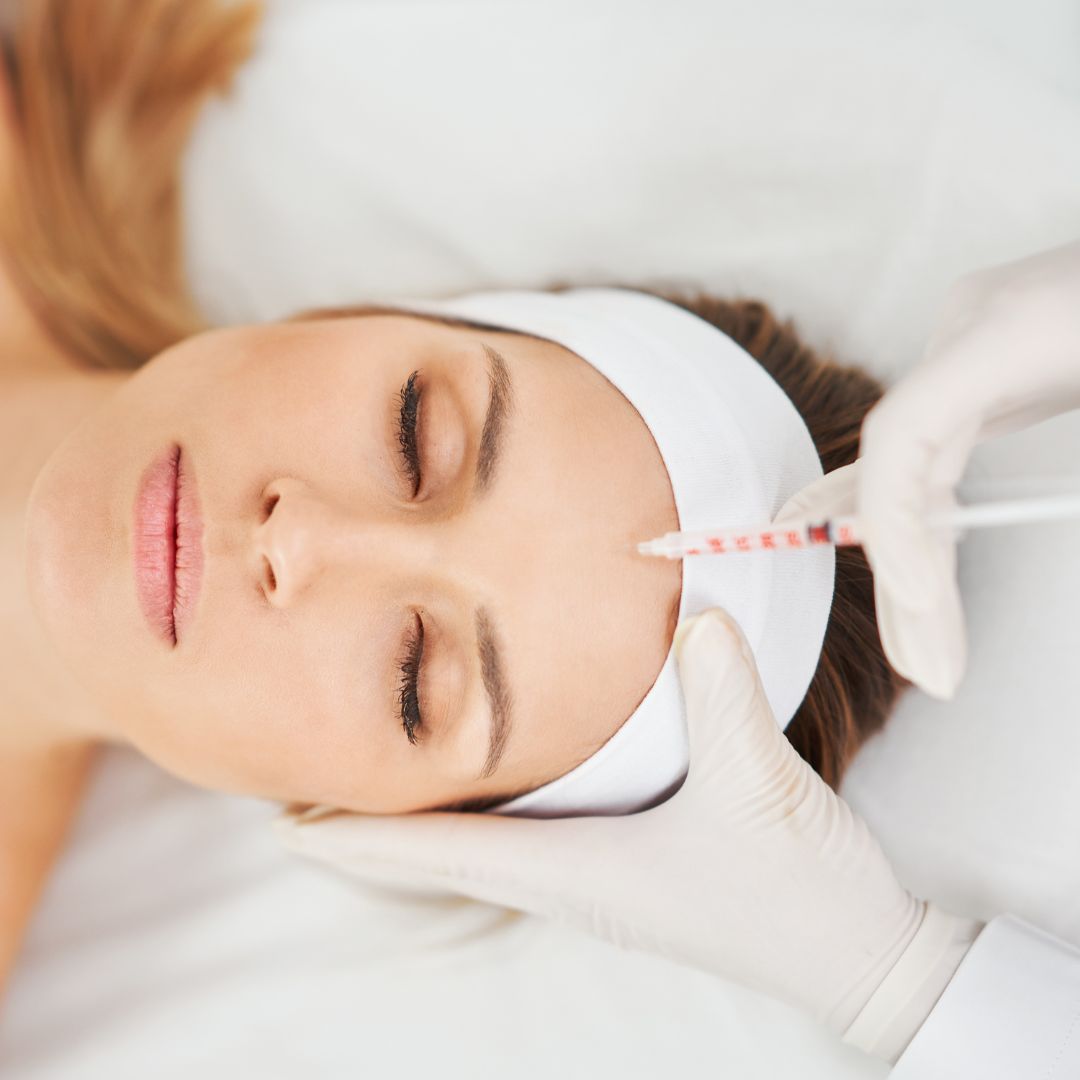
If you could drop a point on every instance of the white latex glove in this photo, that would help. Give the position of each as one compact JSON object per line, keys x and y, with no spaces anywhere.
{"x":754,"y":869}
{"x":1005,"y":354}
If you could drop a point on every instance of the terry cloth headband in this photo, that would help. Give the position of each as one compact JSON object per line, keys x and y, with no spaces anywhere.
{"x":736,"y":450}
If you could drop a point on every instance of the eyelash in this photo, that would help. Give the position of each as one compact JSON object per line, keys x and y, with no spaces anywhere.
{"x":407,"y":414}
{"x":408,"y":692}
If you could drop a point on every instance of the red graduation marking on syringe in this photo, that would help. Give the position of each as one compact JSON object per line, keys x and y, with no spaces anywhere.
{"x":729,"y":542}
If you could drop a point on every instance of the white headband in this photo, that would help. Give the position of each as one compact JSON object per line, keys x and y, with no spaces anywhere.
{"x":736,"y":450}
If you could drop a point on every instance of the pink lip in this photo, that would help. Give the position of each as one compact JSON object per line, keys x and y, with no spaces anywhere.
{"x":167,"y":545}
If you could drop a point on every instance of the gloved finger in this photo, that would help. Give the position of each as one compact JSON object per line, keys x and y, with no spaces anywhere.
{"x":526,"y":864}
{"x":731,"y":725}
{"x":908,"y":454}
{"x":928,"y":646}
{"x":831,"y":495}
{"x":329,"y":839}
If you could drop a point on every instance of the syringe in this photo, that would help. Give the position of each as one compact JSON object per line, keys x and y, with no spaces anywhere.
{"x":801,"y":533}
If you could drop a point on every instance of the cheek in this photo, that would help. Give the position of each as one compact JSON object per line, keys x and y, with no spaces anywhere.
{"x":271,"y":706}
{"x":244,"y":381}
{"x":262,"y":733}
{"x":308,"y":415}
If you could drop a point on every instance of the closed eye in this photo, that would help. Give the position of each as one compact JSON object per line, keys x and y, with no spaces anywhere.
{"x":408,"y":691}
{"x":408,"y":414}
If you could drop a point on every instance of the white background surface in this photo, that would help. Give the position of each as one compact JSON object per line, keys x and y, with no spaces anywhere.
{"x":843,"y":162}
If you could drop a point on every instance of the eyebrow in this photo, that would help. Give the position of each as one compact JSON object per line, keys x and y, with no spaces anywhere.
{"x":491,"y":670}
{"x":500,"y":399}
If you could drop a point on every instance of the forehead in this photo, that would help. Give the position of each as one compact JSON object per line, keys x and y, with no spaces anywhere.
{"x":590,"y":621}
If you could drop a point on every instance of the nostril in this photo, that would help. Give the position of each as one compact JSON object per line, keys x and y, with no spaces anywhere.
{"x":269,"y":502}
{"x":271,"y":577}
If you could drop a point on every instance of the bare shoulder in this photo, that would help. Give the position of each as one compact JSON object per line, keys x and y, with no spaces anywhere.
{"x":40,"y":792}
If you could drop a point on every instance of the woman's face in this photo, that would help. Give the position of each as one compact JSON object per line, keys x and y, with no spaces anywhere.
{"x":327,"y":553}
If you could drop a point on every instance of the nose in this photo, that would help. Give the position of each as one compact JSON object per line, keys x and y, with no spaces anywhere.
{"x":304,"y":536}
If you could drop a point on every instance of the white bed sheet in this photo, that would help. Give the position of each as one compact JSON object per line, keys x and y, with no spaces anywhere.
{"x":844,"y":163}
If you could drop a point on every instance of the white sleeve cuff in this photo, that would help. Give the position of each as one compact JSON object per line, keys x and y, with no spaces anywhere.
{"x":1011,"y":1010}
{"x":906,"y":996}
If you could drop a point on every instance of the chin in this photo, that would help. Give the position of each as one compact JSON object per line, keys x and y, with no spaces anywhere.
{"x":79,"y":603}
{"x":53,"y":559}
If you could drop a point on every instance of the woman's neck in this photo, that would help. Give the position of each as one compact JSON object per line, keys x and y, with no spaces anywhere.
{"x":44,"y":395}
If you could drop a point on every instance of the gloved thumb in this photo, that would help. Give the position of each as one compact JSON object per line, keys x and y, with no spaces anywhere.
{"x":727,"y":712}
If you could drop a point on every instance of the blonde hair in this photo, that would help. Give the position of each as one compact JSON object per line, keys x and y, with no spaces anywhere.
{"x":105,"y":94}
